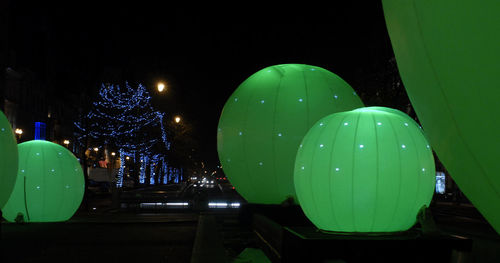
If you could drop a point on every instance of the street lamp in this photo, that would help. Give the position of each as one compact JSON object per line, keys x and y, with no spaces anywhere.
{"x":161,"y":86}
{"x":66,"y":142}
{"x":113,"y":154}
{"x":18,"y":133}
{"x":96,"y":149}
{"x":177,"y":119}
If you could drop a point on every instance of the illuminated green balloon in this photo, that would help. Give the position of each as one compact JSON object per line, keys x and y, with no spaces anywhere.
{"x":49,"y":185}
{"x":8,"y":159}
{"x":366,"y":170}
{"x":448,"y":54}
{"x":264,"y":120}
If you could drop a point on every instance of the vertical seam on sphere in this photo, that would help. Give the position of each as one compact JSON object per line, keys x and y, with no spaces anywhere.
{"x":245,"y":153}
{"x":400,"y":170}
{"x":43,"y":216}
{"x":62,"y":180}
{"x":352,"y":169}
{"x":307,"y":100}
{"x":315,"y":149}
{"x":377,"y":170}
{"x":419,"y":177}
{"x":273,"y":142}
{"x":330,"y":169}
{"x":24,"y":187}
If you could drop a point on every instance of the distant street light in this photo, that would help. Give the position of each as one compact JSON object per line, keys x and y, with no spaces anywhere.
{"x":66,"y":142}
{"x":177,"y":119}
{"x":161,"y":87}
{"x":96,"y":149}
{"x":18,"y":133}
{"x":113,"y":154}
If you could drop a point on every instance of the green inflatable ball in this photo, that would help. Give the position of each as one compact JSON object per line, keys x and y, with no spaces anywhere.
{"x":264,"y":120}
{"x":367,"y":170}
{"x":49,"y":185}
{"x":8,"y":159}
{"x":448,"y":56}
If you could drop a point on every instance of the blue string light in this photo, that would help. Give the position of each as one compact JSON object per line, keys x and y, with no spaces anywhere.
{"x":124,"y":118}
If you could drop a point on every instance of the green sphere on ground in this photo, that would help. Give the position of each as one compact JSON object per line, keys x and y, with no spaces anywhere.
{"x":448,"y":57}
{"x":8,"y":159}
{"x":366,"y":170}
{"x":264,"y":120}
{"x":49,"y":185}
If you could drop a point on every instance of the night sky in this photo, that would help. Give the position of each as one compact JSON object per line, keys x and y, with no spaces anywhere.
{"x":202,"y":52}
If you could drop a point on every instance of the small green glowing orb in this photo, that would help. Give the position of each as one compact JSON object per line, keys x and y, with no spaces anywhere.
{"x":264,"y":120}
{"x":366,"y":170}
{"x":49,"y":185}
{"x":448,"y":56}
{"x":8,"y":159}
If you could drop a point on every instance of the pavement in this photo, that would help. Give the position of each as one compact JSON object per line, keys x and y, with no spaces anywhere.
{"x":104,"y":233}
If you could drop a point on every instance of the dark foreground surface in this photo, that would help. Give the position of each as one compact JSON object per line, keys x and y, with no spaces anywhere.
{"x":122,"y":238}
{"x":104,"y":233}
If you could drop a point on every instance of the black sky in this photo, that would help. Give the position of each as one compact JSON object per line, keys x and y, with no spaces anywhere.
{"x":202,"y":52}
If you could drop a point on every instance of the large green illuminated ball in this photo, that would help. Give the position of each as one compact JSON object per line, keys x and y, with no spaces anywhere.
{"x":448,"y":54}
{"x":49,"y":185}
{"x":8,"y":159}
{"x":366,"y":170}
{"x":264,"y":120}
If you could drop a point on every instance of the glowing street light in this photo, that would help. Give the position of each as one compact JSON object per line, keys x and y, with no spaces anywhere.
{"x":113,"y":154}
{"x":96,"y":149}
{"x":18,"y":133}
{"x":177,"y":119}
{"x":161,"y":87}
{"x":66,"y":142}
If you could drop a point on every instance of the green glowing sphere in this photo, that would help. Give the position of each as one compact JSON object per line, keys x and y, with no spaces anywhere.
{"x":49,"y":185}
{"x":8,"y":159}
{"x":264,"y":120}
{"x":366,"y":170}
{"x":448,"y":56}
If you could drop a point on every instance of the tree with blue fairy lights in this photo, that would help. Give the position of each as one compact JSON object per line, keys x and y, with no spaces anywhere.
{"x":123,"y":118}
